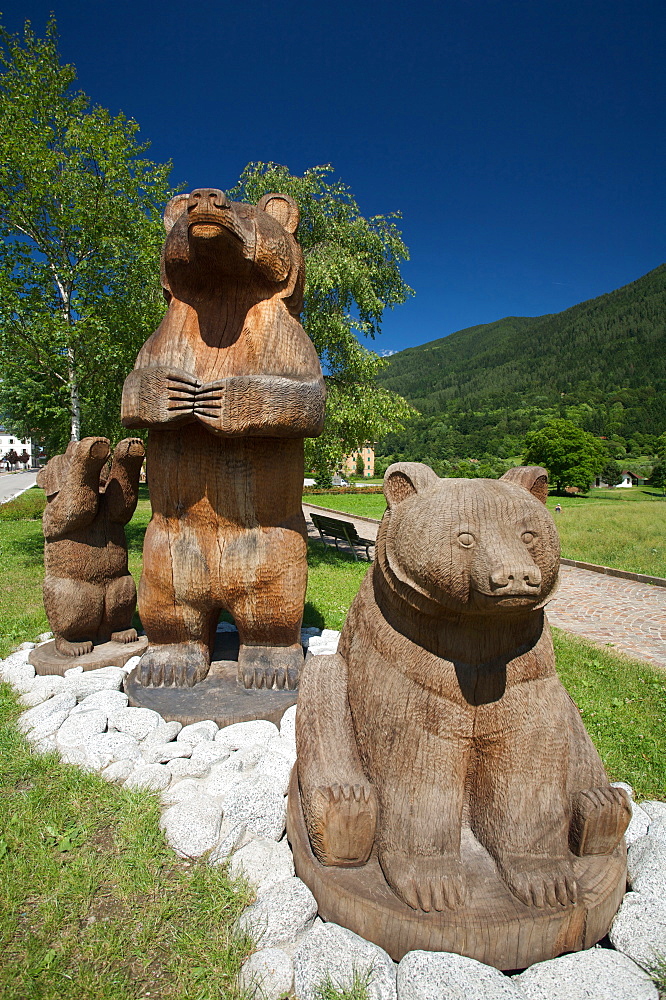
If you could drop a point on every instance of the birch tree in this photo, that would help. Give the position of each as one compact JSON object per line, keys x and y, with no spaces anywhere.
{"x":81,"y":236}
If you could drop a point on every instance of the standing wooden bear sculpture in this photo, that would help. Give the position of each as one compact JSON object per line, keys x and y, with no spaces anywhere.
{"x":229,"y":385}
{"x":440,"y":740}
{"x":89,"y":595}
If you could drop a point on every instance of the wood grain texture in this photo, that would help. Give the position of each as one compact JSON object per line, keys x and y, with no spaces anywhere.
{"x":89,"y":595}
{"x":229,"y":385}
{"x":47,"y":660}
{"x":442,"y":713}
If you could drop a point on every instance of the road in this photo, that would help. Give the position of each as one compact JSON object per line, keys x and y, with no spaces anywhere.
{"x":12,"y":483}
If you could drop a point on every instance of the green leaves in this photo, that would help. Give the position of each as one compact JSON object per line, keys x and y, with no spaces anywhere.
{"x":352,"y":276}
{"x":81,"y":237}
{"x":572,"y":456}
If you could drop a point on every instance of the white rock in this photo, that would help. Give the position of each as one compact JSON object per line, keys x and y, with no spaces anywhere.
{"x":277,"y":768}
{"x":639,"y":929}
{"x":45,"y":745}
{"x":193,"y":827}
{"x":45,"y":637}
{"x":80,"y":756}
{"x":91,"y":681}
{"x":199,"y":732}
{"x":339,"y":953}
{"x":654,"y":808}
{"x":160,"y":753}
{"x":256,"y":803}
{"x":220,"y":780}
{"x":638,"y":825}
{"x":107,"y":701}
{"x":264,"y":863}
{"x":280,"y":915}
{"x":41,"y":689}
{"x":232,"y":836}
{"x":130,"y":664}
{"x":149,"y":777}
{"x":114,"y":746}
{"x":181,"y":791}
{"x":288,"y":724}
{"x":325,"y":644}
{"x":119,"y":771}
{"x":164,"y":733}
{"x":244,"y":760}
{"x":21,"y":677}
{"x":596,"y":974}
{"x":268,"y":974}
{"x":27,"y":645}
{"x":72,"y":671}
{"x":48,"y":728}
{"x":440,"y":975}
{"x":246,"y":734}
{"x":15,"y":660}
{"x":137,"y":722}
{"x":623,"y":784}
{"x":78,"y":728}
{"x":211,"y":753}
{"x":283,"y":746}
{"x":646,"y":866}
{"x":184,"y":767}
{"x":34,"y":716}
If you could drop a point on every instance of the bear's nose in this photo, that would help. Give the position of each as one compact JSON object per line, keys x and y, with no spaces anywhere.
{"x":207,"y":200}
{"x":517,"y":579}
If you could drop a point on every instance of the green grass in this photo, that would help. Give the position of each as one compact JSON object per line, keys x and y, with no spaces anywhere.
{"x":93,"y":902}
{"x":606,"y":527}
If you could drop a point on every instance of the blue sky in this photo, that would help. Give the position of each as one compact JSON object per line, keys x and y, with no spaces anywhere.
{"x":523,"y":142}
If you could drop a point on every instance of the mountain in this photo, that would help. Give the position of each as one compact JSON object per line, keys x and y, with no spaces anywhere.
{"x":602,"y":362}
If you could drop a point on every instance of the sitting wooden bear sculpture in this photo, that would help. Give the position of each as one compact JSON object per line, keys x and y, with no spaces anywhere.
{"x":89,"y":595}
{"x":229,"y":385}
{"x":442,"y":709}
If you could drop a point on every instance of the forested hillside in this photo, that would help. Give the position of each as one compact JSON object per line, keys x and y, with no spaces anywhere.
{"x":601,"y":363}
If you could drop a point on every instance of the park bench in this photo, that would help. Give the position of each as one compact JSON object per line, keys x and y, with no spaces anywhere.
{"x":340,"y":531}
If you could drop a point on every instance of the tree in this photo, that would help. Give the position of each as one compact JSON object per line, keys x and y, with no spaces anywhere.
{"x":360,"y":464}
{"x":658,"y":477}
{"x":352,"y":276}
{"x":81,"y":236}
{"x":572,"y":456}
{"x":611,"y":473}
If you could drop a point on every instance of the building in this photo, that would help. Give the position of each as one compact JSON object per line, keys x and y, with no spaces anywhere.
{"x":628,"y":479}
{"x":368,"y":455}
{"x":9,"y":441}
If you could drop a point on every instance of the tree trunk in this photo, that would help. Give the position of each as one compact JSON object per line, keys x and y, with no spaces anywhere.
{"x":75,"y":408}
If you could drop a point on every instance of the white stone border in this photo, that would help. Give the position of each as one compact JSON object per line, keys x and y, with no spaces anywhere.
{"x":223,"y":794}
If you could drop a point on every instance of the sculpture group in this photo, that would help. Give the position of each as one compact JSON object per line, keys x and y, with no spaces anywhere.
{"x":446,"y":794}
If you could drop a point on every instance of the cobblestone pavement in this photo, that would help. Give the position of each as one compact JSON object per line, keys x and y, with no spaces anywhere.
{"x":629,"y":616}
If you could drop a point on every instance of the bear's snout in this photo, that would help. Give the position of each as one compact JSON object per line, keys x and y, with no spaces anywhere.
{"x":207,"y":202}
{"x":515,"y":580}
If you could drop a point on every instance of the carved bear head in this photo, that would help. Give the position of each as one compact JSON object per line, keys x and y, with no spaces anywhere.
{"x":212,"y":240}
{"x":458,"y":546}
{"x":90,"y":455}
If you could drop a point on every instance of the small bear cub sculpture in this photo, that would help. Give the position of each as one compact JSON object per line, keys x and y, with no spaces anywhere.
{"x":443,"y":709}
{"x":89,"y":595}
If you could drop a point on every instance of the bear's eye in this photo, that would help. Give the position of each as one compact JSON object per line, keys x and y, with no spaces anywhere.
{"x":466,"y":539}
{"x":528,"y":536}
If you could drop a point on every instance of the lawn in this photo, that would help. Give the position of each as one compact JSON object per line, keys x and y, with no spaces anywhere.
{"x":606,"y":527}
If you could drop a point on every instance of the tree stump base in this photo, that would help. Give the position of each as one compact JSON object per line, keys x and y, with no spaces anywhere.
{"x":47,"y":660}
{"x":219,"y":697}
{"x":493,"y":926}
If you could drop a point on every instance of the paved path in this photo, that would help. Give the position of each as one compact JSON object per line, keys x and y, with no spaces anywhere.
{"x":606,"y":609}
{"x":12,"y":483}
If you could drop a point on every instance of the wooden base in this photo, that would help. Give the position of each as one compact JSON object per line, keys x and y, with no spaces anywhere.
{"x":47,"y":660}
{"x":493,"y":927}
{"x":219,"y":696}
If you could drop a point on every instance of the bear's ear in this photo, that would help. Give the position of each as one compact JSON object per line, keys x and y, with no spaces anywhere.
{"x":532,"y":477}
{"x":283,"y":208}
{"x":404,"y":479}
{"x":174,"y":210}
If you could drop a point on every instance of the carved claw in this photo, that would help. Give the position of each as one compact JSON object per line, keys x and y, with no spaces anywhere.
{"x":600,"y":817}
{"x":178,"y":665}
{"x":270,"y":666}
{"x":539,"y":882}
{"x":342,"y":823}
{"x":425,"y":882}
{"x":76,"y":648}
{"x":126,"y":635}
